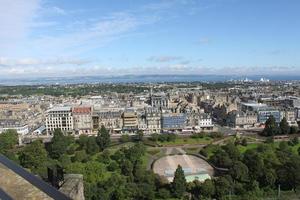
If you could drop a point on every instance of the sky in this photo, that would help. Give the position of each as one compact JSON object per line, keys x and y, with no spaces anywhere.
{"x":120,"y":37}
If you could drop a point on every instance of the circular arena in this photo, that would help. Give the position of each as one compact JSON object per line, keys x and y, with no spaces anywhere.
{"x":194,"y":167}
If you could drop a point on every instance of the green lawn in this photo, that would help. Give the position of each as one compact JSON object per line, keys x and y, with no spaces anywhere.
{"x":182,"y":141}
{"x":249,"y":146}
{"x":114,"y":148}
{"x":146,"y":159}
{"x":192,"y":150}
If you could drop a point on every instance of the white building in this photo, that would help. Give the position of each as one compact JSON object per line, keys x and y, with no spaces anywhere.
{"x":59,"y":118}
{"x":204,"y":122}
{"x":13,"y":124}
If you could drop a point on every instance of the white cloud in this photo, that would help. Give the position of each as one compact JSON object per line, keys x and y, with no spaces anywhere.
{"x":24,"y":62}
{"x":164,"y":58}
{"x":204,"y":40}
{"x":15,"y":19}
{"x":59,"y":10}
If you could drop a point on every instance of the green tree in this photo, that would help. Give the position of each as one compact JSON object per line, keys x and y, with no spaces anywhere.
{"x":223,"y":187}
{"x":82,"y":141}
{"x":8,"y":140}
{"x":127,"y":168}
{"x":104,"y":157}
{"x":207,"y":189}
{"x":139,"y":135}
{"x":294,"y":140}
{"x":80,"y":156}
{"x":294,"y":130}
{"x":163,"y":193}
{"x":179,"y":183}
{"x":34,"y":155}
{"x":239,"y":171}
{"x":65,"y":160}
{"x":284,"y":126}
{"x":59,"y":144}
{"x":221,"y":159}
{"x":103,"y":138}
{"x":138,"y":171}
{"x":113,"y":166}
{"x":244,"y":142}
{"x":125,"y":138}
{"x":232,"y":151}
{"x":154,"y":137}
{"x":250,"y":157}
{"x":289,"y":173}
{"x":271,"y":127}
{"x":92,"y":146}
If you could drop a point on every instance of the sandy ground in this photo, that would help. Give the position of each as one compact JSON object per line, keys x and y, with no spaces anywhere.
{"x":167,"y":165}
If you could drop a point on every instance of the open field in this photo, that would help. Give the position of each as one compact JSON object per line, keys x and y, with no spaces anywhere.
{"x":191,"y":165}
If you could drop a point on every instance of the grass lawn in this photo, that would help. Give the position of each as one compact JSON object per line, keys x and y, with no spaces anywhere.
{"x":192,"y":150}
{"x":146,"y":159}
{"x":242,"y":148}
{"x":114,"y":148}
{"x":153,"y":151}
{"x":182,"y":141}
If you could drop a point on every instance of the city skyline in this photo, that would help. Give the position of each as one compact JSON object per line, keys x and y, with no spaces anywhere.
{"x":63,"y":38}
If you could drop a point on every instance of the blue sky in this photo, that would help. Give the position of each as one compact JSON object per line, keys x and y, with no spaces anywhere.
{"x":117,"y":37}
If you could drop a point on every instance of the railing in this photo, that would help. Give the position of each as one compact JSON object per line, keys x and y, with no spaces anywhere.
{"x":32,"y":179}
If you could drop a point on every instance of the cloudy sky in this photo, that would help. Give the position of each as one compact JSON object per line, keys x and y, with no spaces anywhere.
{"x":117,"y":37}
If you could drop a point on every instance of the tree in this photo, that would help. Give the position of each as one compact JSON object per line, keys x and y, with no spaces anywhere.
{"x":125,"y":138}
{"x":289,"y":173}
{"x":163,"y":193}
{"x":284,"y":126}
{"x":65,"y":160}
{"x":207,"y":188}
{"x":244,"y":142}
{"x":103,"y":138}
{"x":294,"y":140}
{"x":8,"y":140}
{"x":179,"y":183}
{"x":221,"y":159}
{"x":80,"y":156}
{"x":239,"y":171}
{"x":135,"y":152}
{"x":223,"y":187}
{"x":255,"y":170}
{"x":154,"y":137}
{"x":139,"y":135}
{"x":91,"y":146}
{"x":34,"y":155}
{"x":113,"y":166}
{"x":232,"y":151}
{"x":82,"y":141}
{"x":59,"y":144}
{"x":271,"y":127}
{"x":269,"y":177}
{"x":294,"y":129}
{"x":127,"y":168}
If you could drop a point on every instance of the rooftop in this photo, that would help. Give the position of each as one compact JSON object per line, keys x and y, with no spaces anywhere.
{"x":60,"y":109}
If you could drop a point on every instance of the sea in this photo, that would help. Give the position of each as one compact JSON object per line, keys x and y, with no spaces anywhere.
{"x":138,"y":79}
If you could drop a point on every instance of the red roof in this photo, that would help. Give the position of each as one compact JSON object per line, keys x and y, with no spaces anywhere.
{"x":82,"y":110}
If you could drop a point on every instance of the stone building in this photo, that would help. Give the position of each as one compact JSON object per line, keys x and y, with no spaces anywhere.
{"x":110,"y":118}
{"x":130,"y":121}
{"x":239,"y":119}
{"x":153,"y":120}
{"x":82,"y":116}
